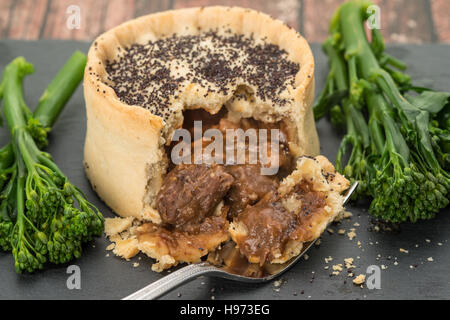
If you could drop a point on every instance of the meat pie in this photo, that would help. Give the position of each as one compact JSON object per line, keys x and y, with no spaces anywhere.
{"x":232,"y":69}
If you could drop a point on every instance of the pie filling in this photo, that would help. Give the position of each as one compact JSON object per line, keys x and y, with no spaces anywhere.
{"x":197,"y":202}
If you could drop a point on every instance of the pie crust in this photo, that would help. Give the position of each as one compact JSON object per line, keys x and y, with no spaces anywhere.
{"x":124,"y":153}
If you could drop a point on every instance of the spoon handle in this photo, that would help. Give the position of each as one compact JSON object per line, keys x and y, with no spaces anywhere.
{"x":172,"y":281}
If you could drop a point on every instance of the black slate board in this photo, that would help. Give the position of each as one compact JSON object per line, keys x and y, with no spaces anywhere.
{"x":112,"y":278}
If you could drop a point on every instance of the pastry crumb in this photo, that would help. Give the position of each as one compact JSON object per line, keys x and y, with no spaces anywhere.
{"x":351,"y":234}
{"x":349,"y":263}
{"x":328,"y":259}
{"x":343,"y":215}
{"x":337,"y":267}
{"x":359,"y":280}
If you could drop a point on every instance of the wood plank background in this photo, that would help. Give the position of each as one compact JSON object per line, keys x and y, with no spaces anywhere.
{"x":411,"y":21}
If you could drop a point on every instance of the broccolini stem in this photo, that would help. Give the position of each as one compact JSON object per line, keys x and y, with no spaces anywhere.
{"x":352,"y":26}
{"x":1,"y":97}
{"x":2,"y":86}
{"x":19,"y":227}
{"x":6,"y":156}
{"x":53,"y":100}
{"x":414,"y":120}
{"x":393,"y":61}
{"x":13,"y":100}
{"x":357,"y":135}
{"x":60,"y":89}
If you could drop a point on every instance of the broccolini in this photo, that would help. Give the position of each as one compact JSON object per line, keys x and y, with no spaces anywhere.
{"x":43,"y":216}
{"x":400,"y":141}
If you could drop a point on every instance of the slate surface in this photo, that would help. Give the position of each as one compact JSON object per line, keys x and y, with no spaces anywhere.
{"x":105,"y":277}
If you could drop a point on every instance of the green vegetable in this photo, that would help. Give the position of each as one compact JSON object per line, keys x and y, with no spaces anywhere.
{"x":357,"y":135}
{"x":51,"y":103}
{"x":399,"y":142}
{"x":43,"y":216}
{"x":1,"y":97}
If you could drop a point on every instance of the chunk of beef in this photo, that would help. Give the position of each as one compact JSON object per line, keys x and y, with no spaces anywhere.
{"x":249,"y":187}
{"x":276,"y":219}
{"x":269,"y":225}
{"x":191,"y":192}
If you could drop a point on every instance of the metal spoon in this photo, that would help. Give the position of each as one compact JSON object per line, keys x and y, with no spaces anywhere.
{"x":192,"y":271}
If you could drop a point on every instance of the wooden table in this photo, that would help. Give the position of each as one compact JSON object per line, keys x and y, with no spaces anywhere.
{"x":411,"y":21}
